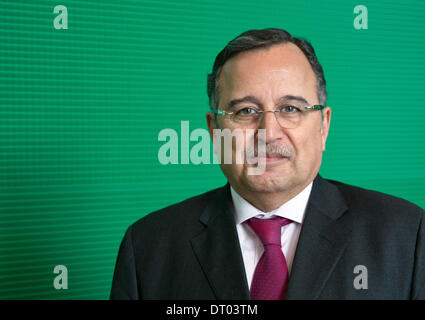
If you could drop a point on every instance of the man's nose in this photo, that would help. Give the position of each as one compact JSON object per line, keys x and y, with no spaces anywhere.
{"x":273,"y":129}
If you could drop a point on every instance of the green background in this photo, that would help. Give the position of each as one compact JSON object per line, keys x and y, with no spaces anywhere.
{"x":81,"y":110}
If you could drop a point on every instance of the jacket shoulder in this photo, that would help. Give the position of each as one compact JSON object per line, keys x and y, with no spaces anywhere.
{"x":176,"y":218}
{"x":378,"y":202}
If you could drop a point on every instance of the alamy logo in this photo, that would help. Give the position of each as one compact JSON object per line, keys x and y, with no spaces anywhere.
{"x":229,"y":145}
{"x":61,"y":20}
{"x":360,"y":281}
{"x":360,"y":21}
{"x":61,"y":280}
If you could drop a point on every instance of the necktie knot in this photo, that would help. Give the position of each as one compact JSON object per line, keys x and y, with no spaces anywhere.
{"x":268,"y":230}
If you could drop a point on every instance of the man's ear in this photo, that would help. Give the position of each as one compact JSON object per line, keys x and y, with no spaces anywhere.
{"x":326,"y":122}
{"x":211,"y":122}
{"x":212,"y":125}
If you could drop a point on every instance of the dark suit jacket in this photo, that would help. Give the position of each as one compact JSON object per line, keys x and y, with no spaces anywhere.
{"x":190,"y":250}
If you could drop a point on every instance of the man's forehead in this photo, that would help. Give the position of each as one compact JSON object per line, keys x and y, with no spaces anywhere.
{"x":276,"y":67}
{"x":273,"y":58}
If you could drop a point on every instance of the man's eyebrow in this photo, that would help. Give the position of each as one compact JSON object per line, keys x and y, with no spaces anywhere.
{"x":289,"y":97}
{"x":251,"y":99}
{"x":256,"y":101}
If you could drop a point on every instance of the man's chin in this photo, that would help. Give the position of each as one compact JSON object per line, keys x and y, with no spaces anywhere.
{"x":268,"y":182}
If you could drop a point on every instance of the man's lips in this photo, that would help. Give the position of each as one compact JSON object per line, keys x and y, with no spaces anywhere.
{"x":273,"y":157}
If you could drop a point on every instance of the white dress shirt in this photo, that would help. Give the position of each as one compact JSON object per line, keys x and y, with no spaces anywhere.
{"x":251,"y":245}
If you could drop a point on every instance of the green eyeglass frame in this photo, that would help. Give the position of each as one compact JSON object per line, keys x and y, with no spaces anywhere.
{"x":285,"y":119}
{"x":303,"y":109}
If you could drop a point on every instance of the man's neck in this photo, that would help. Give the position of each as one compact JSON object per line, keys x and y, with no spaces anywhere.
{"x":269,"y":201}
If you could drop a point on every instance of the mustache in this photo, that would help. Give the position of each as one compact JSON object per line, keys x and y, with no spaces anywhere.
{"x":286,"y":151}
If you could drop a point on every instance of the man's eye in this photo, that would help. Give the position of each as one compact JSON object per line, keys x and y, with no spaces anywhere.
{"x":246,"y":111}
{"x":289,"y":109}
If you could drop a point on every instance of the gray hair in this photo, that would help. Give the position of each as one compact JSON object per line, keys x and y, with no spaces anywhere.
{"x":259,"y":39}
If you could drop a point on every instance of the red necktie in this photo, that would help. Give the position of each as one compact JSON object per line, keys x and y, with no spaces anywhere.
{"x":271,"y":274}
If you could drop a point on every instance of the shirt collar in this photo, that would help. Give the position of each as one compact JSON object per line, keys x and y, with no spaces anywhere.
{"x":294,"y":209}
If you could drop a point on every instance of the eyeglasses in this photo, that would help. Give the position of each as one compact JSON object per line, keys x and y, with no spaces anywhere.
{"x":288,"y":116}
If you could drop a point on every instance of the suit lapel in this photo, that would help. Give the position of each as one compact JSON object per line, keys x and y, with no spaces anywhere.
{"x":218,"y":251}
{"x":324,"y":236}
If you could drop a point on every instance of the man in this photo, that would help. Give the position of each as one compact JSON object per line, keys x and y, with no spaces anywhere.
{"x":286,"y":233}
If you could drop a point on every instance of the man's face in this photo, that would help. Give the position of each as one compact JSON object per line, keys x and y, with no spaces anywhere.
{"x":271,"y":77}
